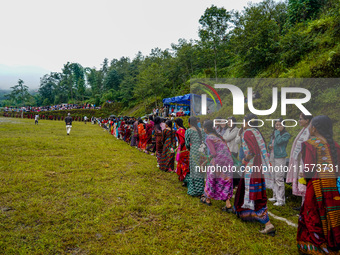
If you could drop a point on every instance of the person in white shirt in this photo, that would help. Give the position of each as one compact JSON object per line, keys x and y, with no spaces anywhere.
{"x":36,"y":118}
{"x":230,"y":136}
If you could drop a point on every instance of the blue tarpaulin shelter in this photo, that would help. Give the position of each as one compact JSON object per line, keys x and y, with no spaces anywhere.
{"x":192,"y":100}
{"x":179,"y":100}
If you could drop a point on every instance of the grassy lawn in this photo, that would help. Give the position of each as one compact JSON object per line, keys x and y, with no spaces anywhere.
{"x":89,"y":193}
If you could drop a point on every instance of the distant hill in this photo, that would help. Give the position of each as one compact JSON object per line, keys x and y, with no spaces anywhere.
{"x":9,"y":76}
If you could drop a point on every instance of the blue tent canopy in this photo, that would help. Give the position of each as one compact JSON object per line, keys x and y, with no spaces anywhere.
{"x":185,"y":100}
{"x":194,"y":102}
{"x":182,"y":100}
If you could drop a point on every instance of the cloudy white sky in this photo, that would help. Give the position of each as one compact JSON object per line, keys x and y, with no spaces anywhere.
{"x":39,"y":36}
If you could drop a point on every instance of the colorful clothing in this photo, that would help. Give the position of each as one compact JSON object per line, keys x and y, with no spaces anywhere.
{"x":149,"y":131}
{"x":167,"y":159}
{"x":182,"y":155}
{"x":122,"y":130}
{"x":127,"y":134}
{"x":115,"y":129}
{"x":251,"y":198}
{"x":319,"y":221}
{"x":142,"y":136}
{"x":159,"y":144}
{"x":219,"y":184}
{"x":296,"y":163}
{"x":134,"y":136}
{"x":194,"y":180}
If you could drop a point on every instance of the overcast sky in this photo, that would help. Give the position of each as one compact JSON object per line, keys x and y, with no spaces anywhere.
{"x":42,"y":35}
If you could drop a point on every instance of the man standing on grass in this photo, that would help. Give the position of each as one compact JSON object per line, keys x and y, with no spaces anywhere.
{"x":36,"y":119}
{"x":68,"y":121}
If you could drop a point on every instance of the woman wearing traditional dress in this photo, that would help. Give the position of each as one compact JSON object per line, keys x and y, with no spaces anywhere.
{"x":221,"y":128}
{"x":128,"y":131}
{"x":134,"y":139}
{"x":319,"y":221}
{"x":295,"y":160}
{"x":111,"y":127}
{"x":162,"y":124}
{"x":122,"y":130}
{"x":251,"y":199}
{"x":117,"y":128}
{"x":141,"y":135}
{"x":182,"y":154}
{"x":219,"y":184}
{"x":158,"y":136}
{"x":149,"y":129}
{"x":168,"y":153}
{"x":193,"y":141}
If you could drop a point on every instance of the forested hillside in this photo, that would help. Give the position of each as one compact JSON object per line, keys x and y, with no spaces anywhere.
{"x":298,"y":38}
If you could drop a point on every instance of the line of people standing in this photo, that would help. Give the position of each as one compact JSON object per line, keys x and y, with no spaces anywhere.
{"x":207,"y":147}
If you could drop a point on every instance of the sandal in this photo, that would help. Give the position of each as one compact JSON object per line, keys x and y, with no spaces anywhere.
{"x":204,"y":200}
{"x":227,"y":209}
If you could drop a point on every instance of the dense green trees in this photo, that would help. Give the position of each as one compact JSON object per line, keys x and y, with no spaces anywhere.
{"x":213,"y":31}
{"x":19,"y":94}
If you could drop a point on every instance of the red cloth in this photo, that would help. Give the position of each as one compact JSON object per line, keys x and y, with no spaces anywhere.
{"x":257,"y":177}
{"x":260,"y":198}
{"x":183,"y":163}
{"x":326,"y":205}
{"x":149,"y":128}
{"x":142,"y":137}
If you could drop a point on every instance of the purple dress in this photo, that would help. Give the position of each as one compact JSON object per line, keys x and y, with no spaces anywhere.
{"x":219,"y":183}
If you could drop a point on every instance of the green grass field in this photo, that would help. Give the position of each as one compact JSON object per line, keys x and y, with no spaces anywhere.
{"x":89,"y":193}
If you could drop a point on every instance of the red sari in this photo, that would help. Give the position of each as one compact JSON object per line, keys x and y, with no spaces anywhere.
{"x":142,"y":137}
{"x":319,"y":221}
{"x":159,"y":143}
{"x":182,"y":155}
{"x":257,"y":186}
{"x":127,"y":134}
{"x":149,"y":128}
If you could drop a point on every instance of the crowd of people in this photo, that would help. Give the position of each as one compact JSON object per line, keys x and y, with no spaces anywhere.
{"x":171,"y":111}
{"x":57,"y":107}
{"x":200,"y":149}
